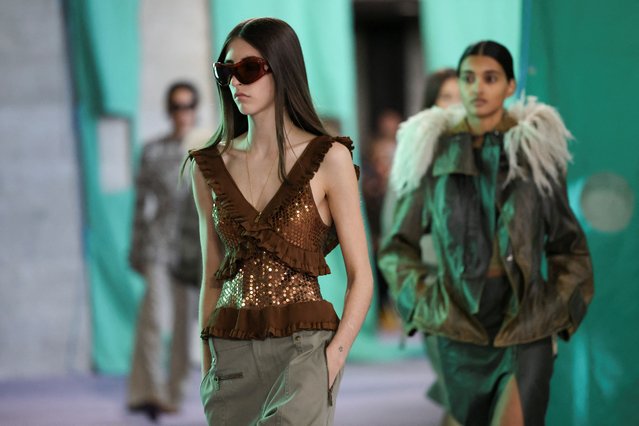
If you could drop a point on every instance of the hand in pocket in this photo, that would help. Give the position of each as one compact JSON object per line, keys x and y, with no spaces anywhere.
{"x":335,"y":360}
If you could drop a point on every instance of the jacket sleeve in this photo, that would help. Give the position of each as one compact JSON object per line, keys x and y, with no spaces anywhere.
{"x":568,"y":258}
{"x":400,"y":254}
{"x":140,"y":233}
{"x":187,"y":262}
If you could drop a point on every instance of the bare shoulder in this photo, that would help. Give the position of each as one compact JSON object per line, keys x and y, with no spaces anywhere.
{"x":233,"y":150}
{"x":338,"y":159}
{"x":301,"y":142}
{"x":339,"y":154}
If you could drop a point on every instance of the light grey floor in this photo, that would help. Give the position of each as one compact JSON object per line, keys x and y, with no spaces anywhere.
{"x":390,"y":394}
{"x":384,"y":394}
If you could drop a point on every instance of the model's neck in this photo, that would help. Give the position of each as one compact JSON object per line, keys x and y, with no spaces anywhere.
{"x":481,"y":125}
{"x":261,"y":137}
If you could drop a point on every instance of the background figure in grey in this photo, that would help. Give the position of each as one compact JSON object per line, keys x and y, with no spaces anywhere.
{"x":154,"y":250}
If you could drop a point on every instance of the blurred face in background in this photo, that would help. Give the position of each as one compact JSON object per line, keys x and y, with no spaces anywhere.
{"x":182,"y":111}
{"x":382,"y":157}
{"x":484,"y":86}
{"x":387,"y":124}
{"x":448,"y":94}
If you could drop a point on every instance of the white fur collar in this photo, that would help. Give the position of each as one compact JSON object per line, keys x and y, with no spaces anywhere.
{"x":539,"y":139}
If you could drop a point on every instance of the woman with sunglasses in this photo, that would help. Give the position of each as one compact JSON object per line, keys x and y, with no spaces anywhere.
{"x":275,"y":193}
{"x":489,"y":186}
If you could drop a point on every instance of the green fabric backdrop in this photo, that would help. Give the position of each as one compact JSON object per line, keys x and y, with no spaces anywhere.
{"x":584,"y":59}
{"x":449,"y":26}
{"x":326,"y":32}
{"x":104,"y":46}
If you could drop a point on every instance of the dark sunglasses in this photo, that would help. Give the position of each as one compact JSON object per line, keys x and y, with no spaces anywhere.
{"x":175,"y":107}
{"x":247,"y":71}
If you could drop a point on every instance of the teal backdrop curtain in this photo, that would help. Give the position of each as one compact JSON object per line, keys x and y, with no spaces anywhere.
{"x":449,"y":26}
{"x":584,"y":59}
{"x":326,"y":32}
{"x":104,"y":46}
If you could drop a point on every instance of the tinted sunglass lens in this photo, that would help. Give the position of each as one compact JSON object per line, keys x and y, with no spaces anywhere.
{"x":249,"y":72}
{"x":223,"y":74}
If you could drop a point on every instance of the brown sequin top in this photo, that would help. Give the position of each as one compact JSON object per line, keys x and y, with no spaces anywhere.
{"x":273,"y":258}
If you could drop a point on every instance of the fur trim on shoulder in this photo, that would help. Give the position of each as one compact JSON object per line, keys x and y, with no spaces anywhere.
{"x":542,"y":139}
{"x":416,"y":141}
{"x":538,"y":142}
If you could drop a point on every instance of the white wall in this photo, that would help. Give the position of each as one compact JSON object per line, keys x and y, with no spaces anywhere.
{"x":175,"y":45}
{"x":44,"y":324}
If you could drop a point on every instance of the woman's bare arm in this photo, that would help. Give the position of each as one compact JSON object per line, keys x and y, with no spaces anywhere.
{"x":339,"y":180}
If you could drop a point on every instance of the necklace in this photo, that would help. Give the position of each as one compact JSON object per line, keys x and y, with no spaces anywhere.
{"x":259,"y":198}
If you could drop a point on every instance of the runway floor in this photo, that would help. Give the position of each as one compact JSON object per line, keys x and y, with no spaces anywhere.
{"x":372,"y":394}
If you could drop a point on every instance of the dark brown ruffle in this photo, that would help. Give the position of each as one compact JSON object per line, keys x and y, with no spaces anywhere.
{"x":297,"y":258}
{"x":305,"y":168}
{"x":211,"y":165}
{"x":270,"y":321}
{"x":256,"y":231}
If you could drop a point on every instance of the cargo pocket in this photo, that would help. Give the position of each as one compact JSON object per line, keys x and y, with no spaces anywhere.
{"x":226,"y":367}
{"x":328,"y":378}
{"x":207,"y":386}
{"x":229,"y":360}
{"x":334,"y":388}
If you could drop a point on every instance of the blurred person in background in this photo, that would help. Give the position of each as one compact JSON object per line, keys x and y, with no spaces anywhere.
{"x":275,"y":194}
{"x":489,"y":185}
{"x":441,"y":89}
{"x":375,"y":172}
{"x":160,"y":200}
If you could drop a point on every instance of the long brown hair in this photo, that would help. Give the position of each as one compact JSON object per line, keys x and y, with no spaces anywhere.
{"x":279,"y":45}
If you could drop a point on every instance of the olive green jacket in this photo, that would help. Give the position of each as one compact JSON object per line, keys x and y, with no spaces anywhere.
{"x":534,"y":221}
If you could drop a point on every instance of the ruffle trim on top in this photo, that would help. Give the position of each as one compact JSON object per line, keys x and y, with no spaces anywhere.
{"x":306,"y":261}
{"x":300,"y":174}
{"x":270,"y":321}
{"x":256,"y":231}
{"x":305,"y":168}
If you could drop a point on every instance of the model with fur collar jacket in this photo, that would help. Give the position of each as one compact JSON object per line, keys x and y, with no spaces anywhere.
{"x":434,"y":173}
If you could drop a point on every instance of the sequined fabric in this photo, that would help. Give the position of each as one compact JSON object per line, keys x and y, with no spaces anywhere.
{"x":272,"y":260}
{"x":264,"y":281}
{"x":299,"y":221}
